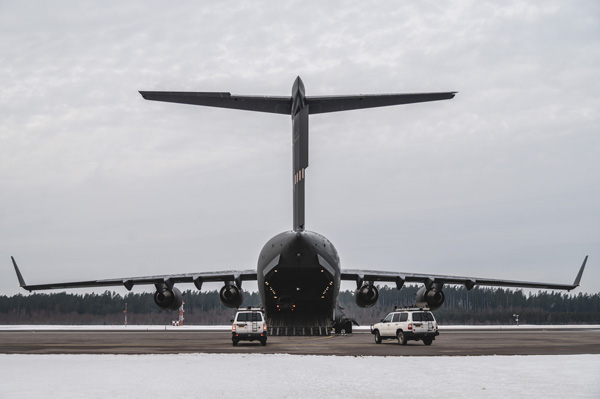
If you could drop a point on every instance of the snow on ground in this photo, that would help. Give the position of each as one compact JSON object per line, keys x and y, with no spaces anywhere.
{"x":290,"y":376}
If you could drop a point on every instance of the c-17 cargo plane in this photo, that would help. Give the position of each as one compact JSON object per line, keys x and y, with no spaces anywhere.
{"x":298,"y":271}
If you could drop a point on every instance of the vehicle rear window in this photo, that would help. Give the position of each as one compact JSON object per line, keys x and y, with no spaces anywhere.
{"x":403,"y":316}
{"x":428,"y":316}
{"x":256,"y":316}
{"x":249,"y":316}
{"x":417,"y":316}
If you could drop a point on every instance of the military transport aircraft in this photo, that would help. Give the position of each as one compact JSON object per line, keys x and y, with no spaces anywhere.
{"x":298,"y":271}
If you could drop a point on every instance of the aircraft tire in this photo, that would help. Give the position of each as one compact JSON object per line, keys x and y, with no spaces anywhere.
{"x":348,"y":327}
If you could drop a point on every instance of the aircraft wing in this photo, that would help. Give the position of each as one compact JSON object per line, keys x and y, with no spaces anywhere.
{"x":361,"y":276}
{"x":128,"y":282}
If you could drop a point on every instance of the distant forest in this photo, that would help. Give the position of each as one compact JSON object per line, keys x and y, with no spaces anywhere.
{"x":478,"y":306}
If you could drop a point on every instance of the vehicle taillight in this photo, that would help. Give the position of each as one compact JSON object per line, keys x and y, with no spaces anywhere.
{"x":233,"y":327}
{"x":264,"y":327}
{"x":410,"y":326}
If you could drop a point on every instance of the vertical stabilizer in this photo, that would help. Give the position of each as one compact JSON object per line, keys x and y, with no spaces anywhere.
{"x":300,"y":150}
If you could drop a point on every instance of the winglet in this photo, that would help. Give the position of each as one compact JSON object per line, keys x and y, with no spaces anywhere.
{"x":578,"y":278}
{"x":19,"y":275}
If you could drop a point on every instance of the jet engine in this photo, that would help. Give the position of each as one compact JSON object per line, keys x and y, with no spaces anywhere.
{"x":168,"y":299}
{"x":231,"y":296}
{"x":366,"y":296}
{"x":434,"y":297}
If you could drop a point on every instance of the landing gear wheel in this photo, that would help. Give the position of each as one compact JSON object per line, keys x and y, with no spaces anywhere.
{"x":235,"y":342}
{"x":377,"y":337}
{"x":427,"y":341}
{"x":348,"y":327}
{"x":401,"y":338}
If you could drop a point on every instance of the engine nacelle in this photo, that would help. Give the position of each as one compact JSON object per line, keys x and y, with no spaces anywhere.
{"x":366,"y":296}
{"x":168,"y":299}
{"x":433,"y":297}
{"x":231,"y":296}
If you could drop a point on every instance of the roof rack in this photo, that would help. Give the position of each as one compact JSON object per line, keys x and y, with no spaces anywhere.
{"x":253,"y":308}
{"x":414,"y":307}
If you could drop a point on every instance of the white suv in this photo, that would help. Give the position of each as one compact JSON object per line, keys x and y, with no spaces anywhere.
{"x":407,"y":324}
{"x":248,"y":325}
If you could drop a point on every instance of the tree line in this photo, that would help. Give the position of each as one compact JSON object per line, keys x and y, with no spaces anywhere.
{"x":477,"y":306}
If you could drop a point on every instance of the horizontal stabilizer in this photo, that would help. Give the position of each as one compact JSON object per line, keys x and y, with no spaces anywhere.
{"x":319,"y":105}
{"x":275,"y":105}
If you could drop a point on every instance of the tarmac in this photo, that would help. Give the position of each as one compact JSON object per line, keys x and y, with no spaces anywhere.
{"x":454,"y":342}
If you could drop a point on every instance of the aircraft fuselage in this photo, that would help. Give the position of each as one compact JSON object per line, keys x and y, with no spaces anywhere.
{"x":298,"y":273}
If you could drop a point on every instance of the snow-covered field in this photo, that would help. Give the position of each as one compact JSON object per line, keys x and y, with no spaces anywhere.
{"x":289,"y":376}
{"x":293,"y":376}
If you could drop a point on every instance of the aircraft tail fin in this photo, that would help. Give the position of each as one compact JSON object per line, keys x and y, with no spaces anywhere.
{"x":299,"y":107}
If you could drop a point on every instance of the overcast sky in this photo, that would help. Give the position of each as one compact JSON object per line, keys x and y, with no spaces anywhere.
{"x":500,"y":182}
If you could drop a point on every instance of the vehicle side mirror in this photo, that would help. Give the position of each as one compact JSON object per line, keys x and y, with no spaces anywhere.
{"x":231,"y":321}
{"x":381,"y":320}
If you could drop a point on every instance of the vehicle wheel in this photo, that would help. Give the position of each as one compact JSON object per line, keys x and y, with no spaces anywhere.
{"x":235,"y":342}
{"x":427,"y":341}
{"x":263,"y":342}
{"x":377,"y":337}
{"x":401,"y":338}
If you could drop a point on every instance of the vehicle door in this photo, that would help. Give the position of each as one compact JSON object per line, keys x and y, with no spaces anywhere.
{"x":386,"y":324}
{"x":417,"y":322}
{"x":403,"y":324}
{"x":255,"y":324}
{"x":428,"y":322}
{"x":395,"y":324}
{"x":242,"y":325}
